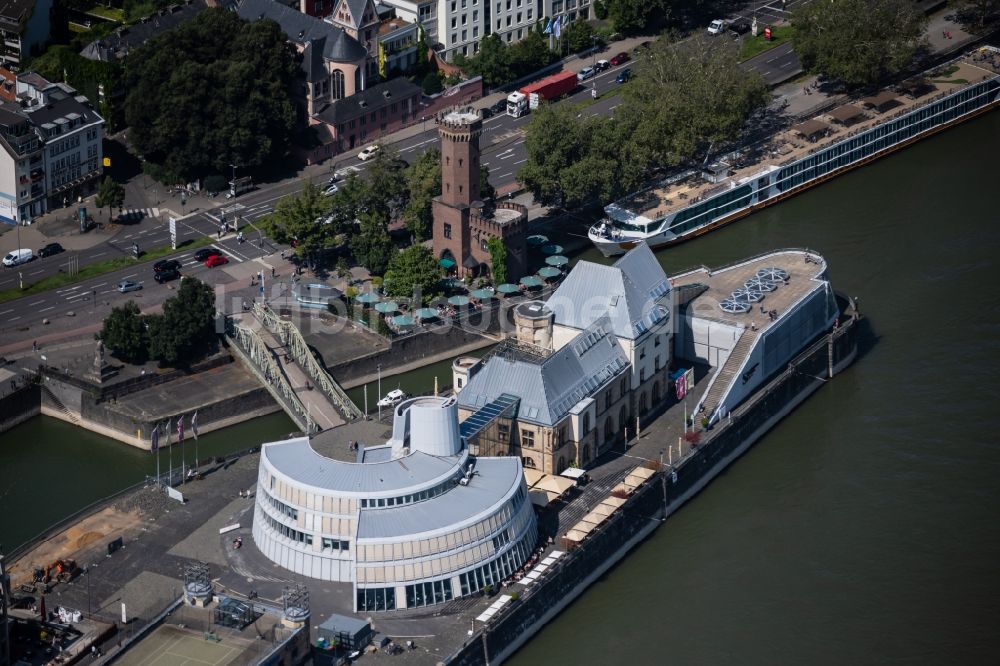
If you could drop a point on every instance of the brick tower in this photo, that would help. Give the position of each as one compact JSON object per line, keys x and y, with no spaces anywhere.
{"x":461,"y":227}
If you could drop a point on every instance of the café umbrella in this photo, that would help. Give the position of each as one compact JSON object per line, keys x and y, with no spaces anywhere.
{"x":458,"y":301}
{"x":386,"y":307}
{"x":552,"y":248}
{"x":426,"y":313}
{"x":368,"y":298}
{"x":402,"y":320}
{"x":557,"y":260}
{"x":483,"y":294}
{"x":508,"y":288}
{"x":537,"y":240}
{"x":549,"y":272}
{"x":531,"y":281}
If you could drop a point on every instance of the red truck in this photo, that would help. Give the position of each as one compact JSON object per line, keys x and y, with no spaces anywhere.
{"x":549,"y":88}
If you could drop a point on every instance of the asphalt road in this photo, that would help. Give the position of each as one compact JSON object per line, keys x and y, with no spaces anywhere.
{"x":503,"y":151}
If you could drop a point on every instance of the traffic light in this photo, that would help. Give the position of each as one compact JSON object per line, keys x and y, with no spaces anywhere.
{"x":135,"y":250}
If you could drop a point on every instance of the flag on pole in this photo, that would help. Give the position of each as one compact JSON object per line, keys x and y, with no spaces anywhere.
{"x":689,"y":378}
{"x":180,"y":430}
{"x":681,"y":383}
{"x":194,"y":425}
{"x":565,"y":20}
{"x":548,"y":28}
{"x":155,"y":439}
{"x":170,"y":429}
{"x":556,"y":28}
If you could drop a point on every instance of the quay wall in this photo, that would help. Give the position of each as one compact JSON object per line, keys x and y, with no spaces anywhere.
{"x":20,"y":405}
{"x":95,"y":408}
{"x":659,"y":497}
{"x":483,"y":326}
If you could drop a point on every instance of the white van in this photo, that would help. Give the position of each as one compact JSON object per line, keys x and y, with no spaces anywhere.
{"x":18,"y":257}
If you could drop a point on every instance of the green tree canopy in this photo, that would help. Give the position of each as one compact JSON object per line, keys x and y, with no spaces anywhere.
{"x":492,"y":62}
{"x":858,"y":42}
{"x":186,"y":330}
{"x":423,"y":182}
{"x":692,"y":93}
{"x":111,"y":194}
{"x":124,"y":333}
{"x":213,"y":91}
{"x":632,"y":16}
{"x":370,"y":243}
{"x":295,"y":218}
{"x":498,"y":258}
{"x":386,"y":192}
{"x":577,"y":36}
{"x":413,"y":272}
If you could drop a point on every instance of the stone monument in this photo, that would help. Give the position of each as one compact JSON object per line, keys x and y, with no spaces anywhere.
{"x":102,"y":370}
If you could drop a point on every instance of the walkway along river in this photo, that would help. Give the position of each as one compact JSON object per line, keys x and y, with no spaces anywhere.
{"x":861,"y":530}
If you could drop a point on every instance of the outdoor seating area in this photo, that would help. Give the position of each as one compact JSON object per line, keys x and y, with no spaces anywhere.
{"x":882,"y":102}
{"x":543,"y":489}
{"x":847,"y":115}
{"x":534,"y":572}
{"x":812,"y":130}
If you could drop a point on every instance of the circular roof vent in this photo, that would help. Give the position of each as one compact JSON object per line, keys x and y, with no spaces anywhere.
{"x":734,"y":307}
{"x":773,"y":273}
{"x":748,"y":296}
{"x":760,"y":284}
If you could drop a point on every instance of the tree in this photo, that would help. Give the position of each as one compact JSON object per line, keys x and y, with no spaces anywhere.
{"x":578,"y":35}
{"x":371,"y":245}
{"x":124,"y":333}
{"x":432,"y":83}
{"x":385,"y":192}
{"x":632,"y":16}
{"x":498,"y":258}
{"x":492,"y":62}
{"x":413,"y":272}
{"x":858,"y":42}
{"x":213,"y":91}
{"x":423,"y":183}
{"x":977,"y":13}
{"x":110,"y":194}
{"x":694,"y":93}
{"x":295,"y":219}
{"x":186,"y":330}
{"x":530,"y":54}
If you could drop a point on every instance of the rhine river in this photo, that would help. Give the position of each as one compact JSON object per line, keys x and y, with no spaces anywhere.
{"x":863,"y":529}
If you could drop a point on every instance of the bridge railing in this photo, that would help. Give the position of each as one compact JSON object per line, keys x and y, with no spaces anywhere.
{"x":252,"y":346}
{"x":297,"y":347}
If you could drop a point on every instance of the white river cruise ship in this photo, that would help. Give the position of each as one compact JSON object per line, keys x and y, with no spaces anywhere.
{"x":695,"y":201}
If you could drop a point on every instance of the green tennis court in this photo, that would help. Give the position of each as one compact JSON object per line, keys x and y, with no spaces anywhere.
{"x":173,"y":646}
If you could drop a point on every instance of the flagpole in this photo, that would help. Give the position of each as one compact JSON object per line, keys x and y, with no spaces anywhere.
{"x":194,"y":431}
{"x":170,"y":454}
{"x":158,"y":480}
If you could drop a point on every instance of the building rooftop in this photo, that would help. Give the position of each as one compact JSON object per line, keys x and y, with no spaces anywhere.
{"x":369,"y":100}
{"x":16,"y":9}
{"x":296,"y":459}
{"x":548,"y":385}
{"x":492,"y":480}
{"x":124,"y":39}
{"x":626,"y":292}
{"x":332,"y":42}
{"x":686,"y":188}
{"x":804,"y":270}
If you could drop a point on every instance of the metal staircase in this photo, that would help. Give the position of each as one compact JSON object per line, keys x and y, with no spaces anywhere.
{"x":723,"y":378}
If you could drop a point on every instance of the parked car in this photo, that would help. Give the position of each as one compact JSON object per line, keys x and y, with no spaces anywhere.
{"x":739,"y":28}
{"x":166,"y":265}
{"x":392,"y":398}
{"x":602,"y":65}
{"x":216,"y":260}
{"x":500,"y":107}
{"x":369,"y":152}
{"x":486,"y":112}
{"x":716,"y":27}
{"x":18,"y":257}
{"x":205,"y":253}
{"x":624,"y":75}
{"x":330,"y":189}
{"x":586,"y":73}
{"x":166,"y":275}
{"x":619,"y":59}
{"x":126,"y":286}
{"x":50,"y":249}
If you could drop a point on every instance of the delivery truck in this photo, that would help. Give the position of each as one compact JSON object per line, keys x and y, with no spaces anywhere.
{"x":547,"y":89}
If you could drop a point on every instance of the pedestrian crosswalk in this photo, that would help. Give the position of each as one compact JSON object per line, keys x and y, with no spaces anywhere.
{"x":140,"y":213}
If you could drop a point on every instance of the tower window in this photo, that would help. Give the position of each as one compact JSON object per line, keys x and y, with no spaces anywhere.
{"x":447,"y":230}
{"x":447,"y":161}
{"x":459,"y":189}
{"x":460,"y":161}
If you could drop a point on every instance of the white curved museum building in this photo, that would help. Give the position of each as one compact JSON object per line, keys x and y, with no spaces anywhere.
{"x":415,"y":522}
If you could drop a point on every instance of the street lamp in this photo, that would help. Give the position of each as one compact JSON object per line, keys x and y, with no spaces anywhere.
{"x":593,"y":92}
{"x":379,"y":403}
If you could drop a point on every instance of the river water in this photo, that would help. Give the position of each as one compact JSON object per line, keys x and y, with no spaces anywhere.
{"x":865,"y":528}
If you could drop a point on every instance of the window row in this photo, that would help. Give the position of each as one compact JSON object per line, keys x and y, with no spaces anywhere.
{"x":282,"y":508}
{"x":336,"y":544}
{"x":495,"y":571}
{"x":288,"y":532}
{"x":430,"y":493}
{"x":376,"y":599}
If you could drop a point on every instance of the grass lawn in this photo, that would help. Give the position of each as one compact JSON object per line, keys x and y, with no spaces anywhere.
{"x":755,"y":45}
{"x":100,"y":268}
{"x":110,"y":13}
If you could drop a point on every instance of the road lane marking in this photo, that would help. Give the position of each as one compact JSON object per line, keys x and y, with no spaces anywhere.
{"x":225,"y":251}
{"x":505,"y":174}
{"x":14,"y":318}
{"x":31,"y":305}
{"x":6,"y":311}
{"x":99,"y":284}
{"x":521,"y":161}
{"x":99,"y":254}
{"x":51,"y":307}
{"x":37,"y":272}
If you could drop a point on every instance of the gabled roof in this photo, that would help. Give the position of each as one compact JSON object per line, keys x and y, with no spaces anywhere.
{"x":126,"y":38}
{"x":333,"y":43}
{"x":368,"y":100}
{"x":626,"y":293}
{"x":549,"y":389}
{"x":357,"y":10}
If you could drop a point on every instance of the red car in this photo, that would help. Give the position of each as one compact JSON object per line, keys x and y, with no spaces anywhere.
{"x":619,"y":59}
{"x":216,"y":260}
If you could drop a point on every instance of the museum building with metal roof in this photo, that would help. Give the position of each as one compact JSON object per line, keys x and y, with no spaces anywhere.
{"x":415,"y":522}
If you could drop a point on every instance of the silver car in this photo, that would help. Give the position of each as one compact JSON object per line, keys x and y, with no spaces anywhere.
{"x":126,"y":286}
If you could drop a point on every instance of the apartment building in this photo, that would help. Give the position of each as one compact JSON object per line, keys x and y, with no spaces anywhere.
{"x":52,"y":149}
{"x":24,"y":28}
